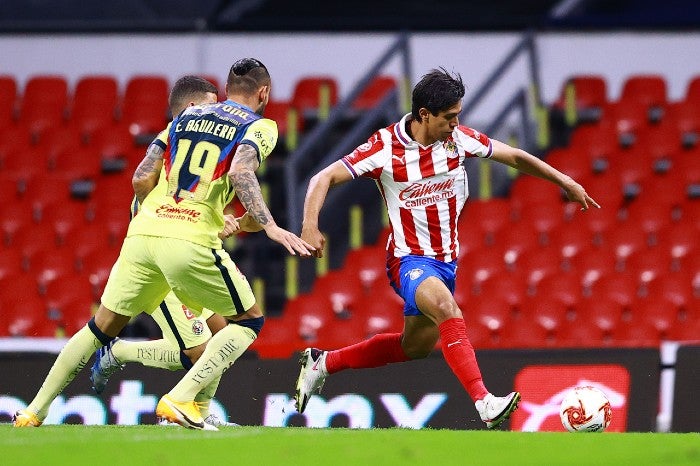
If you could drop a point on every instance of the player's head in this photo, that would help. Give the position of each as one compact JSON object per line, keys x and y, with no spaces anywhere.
{"x":191,"y":90}
{"x":249,"y":80}
{"x":436,"y":92}
{"x":437,"y":101}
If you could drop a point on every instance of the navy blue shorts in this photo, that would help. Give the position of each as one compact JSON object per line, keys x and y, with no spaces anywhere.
{"x":406,"y":273}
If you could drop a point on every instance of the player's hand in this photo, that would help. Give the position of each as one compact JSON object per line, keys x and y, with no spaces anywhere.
{"x":289,"y":240}
{"x":231,"y":226}
{"x":315,"y":238}
{"x":576,"y":193}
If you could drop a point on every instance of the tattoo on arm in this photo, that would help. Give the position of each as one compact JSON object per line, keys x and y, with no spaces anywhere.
{"x":246,"y":184}
{"x":147,"y":173}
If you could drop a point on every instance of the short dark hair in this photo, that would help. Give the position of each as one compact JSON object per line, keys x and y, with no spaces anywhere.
{"x":436,"y":91}
{"x":247,"y":75}
{"x":187,"y":89}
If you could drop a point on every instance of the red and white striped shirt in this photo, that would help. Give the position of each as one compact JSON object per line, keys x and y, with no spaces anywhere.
{"x":424,"y":188}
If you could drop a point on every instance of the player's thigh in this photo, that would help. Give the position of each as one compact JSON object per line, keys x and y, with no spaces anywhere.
{"x":207,"y":278}
{"x":182,"y":327}
{"x":135,"y":283}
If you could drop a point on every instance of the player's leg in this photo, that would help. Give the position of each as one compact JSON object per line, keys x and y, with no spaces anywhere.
{"x":434,"y":297}
{"x":72,"y":358}
{"x":184,"y":336}
{"x":198,"y":276}
{"x":119,"y":303}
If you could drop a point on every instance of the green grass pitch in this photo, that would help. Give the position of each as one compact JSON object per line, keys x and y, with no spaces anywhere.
{"x":157,"y":445}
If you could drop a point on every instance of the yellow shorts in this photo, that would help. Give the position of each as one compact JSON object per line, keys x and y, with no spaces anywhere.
{"x":182,"y":327}
{"x":149,"y":267}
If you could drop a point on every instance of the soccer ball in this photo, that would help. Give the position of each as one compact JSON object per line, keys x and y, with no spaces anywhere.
{"x":585,"y":409}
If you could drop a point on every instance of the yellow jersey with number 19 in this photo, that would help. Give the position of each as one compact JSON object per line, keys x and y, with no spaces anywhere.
{"x":188,"y":201}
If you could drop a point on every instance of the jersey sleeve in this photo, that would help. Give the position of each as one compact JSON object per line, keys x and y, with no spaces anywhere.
{"x":162,"y":139}
{"x":475,"y":143}
{"x":261,"y":134}
{"x":368,"y":159}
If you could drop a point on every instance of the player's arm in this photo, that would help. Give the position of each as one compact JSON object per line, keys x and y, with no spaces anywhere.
{"x":528,"y":163}
{"x":316,"y":193}
{"x":147,"y":173}
{"x":247,"y":223}
{"x":245,"y":183}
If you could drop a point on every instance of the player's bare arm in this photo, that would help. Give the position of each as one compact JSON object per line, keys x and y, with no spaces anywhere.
{"x":146,"y":175}
{"x":528,"y":163}
{"x":244,"y":181}
{"x":247,"y":187}
{"x":316,"y":193}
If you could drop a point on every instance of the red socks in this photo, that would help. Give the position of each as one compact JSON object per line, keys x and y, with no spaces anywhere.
{"x":380,"y":350}
{"x":459,"y":354}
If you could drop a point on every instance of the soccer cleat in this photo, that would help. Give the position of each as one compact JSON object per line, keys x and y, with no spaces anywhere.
{"x":25,"y":418}
{"x":216,"y":421}
{"x":496,"y":409}
{"x":184,"y":413}
{"x":311,"y":376}
{"x":105,"y":365}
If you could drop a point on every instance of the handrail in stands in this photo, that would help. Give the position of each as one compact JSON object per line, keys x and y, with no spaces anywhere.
{"x":297,"y":182}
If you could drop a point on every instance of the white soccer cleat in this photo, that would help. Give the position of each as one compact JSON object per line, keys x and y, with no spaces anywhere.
{"x":105,"y":365}
{"x":493,"y":410}
{"x":311,"y":376}
{"x":216,"y":421}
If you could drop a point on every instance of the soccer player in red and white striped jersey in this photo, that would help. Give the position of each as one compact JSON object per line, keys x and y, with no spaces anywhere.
{"x":418,"y":164}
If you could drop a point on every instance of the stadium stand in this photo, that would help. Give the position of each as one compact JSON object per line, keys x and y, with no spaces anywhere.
{"x":533,"y":273}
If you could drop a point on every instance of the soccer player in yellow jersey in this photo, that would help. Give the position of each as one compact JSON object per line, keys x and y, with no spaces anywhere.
{"x":185,"y":334}
{"x":209,"y":153}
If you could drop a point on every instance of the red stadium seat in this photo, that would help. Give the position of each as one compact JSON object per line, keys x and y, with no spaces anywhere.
{"x":680,"y":240}
{"x":594,"y":265}
{"x":281,"y":339}
{"x":585,"y":96}
{"x":95,"y":103}
{"x":145,"y":106}
{"x":619,"y":288}
{"x":367,"y":263}
{"x":16,"y":221}
{"x":536,"y":265}
{"x":486,"y":218}
{"x":314,"y":96}
{"x":684,"y":116}
{"x":508,"y":287}
{"x":596,"y":141}
{"x":28,"y":318}
{"x":478,"y":267}
{"x":649,"y":90}
{"x":44,"y":104}
{"x":565,"y":288}
{"x":486,"y":317}
{"x":573,"y":161}
{"x":529,"y":190}
{"x":341,"y":291}
{"x":374,"y":92}
{"x":625,"y":240}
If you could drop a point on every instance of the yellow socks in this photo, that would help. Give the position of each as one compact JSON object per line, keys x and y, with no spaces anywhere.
{"x":69,"y":362}
{"x":156,"y":353}
{"x":221,"y":352}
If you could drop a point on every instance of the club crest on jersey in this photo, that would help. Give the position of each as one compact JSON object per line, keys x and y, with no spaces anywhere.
{"x":197,"y":327}
{"x":414,"y":273}
{"x":451,"y":148}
